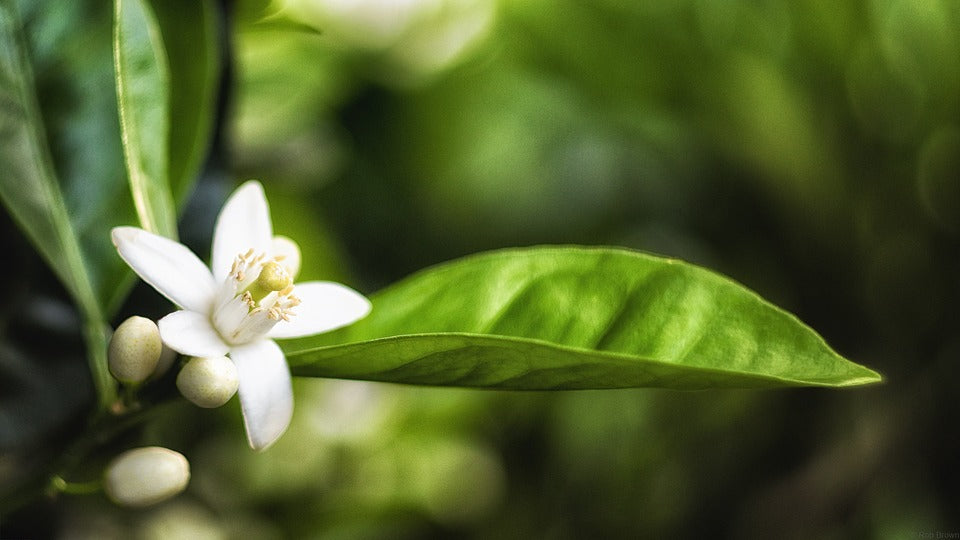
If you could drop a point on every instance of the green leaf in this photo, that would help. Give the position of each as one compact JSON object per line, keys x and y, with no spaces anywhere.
{"x":143,"y":100}
{"x":73,"y":86}
{"x":57,"y":214}
{"x":28,"y":184}
{"x":190,"y":32}
{"x":566,"y":318}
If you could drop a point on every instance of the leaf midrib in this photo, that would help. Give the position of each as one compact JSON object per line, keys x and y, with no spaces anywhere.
{"x":627,"y":359}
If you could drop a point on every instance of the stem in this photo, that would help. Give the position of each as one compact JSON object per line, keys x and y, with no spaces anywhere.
{"x":95,"y":334}
{"x":59,"y":485}
{"x":129,"y":395}
{"x":104,"y":429}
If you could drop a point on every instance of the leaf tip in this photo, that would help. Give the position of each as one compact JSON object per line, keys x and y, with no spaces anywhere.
{"x":863,"y":376}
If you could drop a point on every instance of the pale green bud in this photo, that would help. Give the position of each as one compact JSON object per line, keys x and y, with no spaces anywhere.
{"x":134,"y":350}
{"x":145,"y":476}
{"x":208,"y":382}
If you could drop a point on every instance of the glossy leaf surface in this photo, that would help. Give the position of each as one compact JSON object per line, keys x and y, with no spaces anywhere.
{"x":190,"y":33}
{"x":567,"y":317}
{"x":64,"y":180}
{"x":62,"y":159}
{"x":28,"y":185}
{"x":143,"y":85}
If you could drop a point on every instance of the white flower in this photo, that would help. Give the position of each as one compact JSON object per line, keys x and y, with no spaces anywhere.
{"x":247,"y":299}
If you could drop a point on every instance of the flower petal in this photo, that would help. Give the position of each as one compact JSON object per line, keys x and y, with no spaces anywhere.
{"x":324,"y":305}
{"x":266,"y":393}
{"x":168,"y":266}
{"x":191,"y":333}
{"x":243,"y":223}
{"x":289,"y":252}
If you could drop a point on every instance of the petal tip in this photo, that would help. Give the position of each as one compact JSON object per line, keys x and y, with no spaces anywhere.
{"x":123,"y":234}
{"x":355,"y":306}
{"x":261,"y":445}
{"x":249,"y":184}
{"x":364,"y":308}
{"x":250,"y":188}
{"x":261,"y":439}
{"x":266,"y":393}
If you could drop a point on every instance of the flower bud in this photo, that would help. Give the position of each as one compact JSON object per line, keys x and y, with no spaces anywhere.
{"x":134,"y":350}
{"x":208,"y":382}
{"x":145,"y":476}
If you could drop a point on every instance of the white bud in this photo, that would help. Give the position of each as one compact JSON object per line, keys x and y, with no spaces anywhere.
{"x":145,"y":476}
{"x":208,"y":382}
{"x":134,"y":350}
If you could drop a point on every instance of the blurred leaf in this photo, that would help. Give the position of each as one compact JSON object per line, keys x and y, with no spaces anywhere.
{"x":295,"y":217}
{"x":28,"y":185}
{"x":567,"y":317}
{"x":38,"y":401}
{"x":142,"y":97}
{"x":67,"y":92}
{"x":61,"y":159}
{"x":190,"y":35}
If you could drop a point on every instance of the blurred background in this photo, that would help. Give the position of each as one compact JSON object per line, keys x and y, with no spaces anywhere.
{"x":810,"y":150}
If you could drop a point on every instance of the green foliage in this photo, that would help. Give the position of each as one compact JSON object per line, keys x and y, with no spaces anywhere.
{"x":142,"y":95}
{"x":189,"y":31}
{"x":52,"y":211}
{"x":30,"y":187}
{"x":167,"y":63}
{"x":559,"y":318}
{"x":63,"y":180}
{"x":807,"y":151}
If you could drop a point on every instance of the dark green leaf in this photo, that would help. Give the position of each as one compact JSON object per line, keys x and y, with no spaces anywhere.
{"x":64,"y":85}
{"x":28,"y":185}
{"x":143,"y":100}
{"x":567,"y":317}
{"x":190,"y":32}
{"x":61,"y":159}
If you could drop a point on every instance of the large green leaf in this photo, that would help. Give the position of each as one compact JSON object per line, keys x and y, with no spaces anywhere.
{"x":143,"y":87}
{"x":60,"y":167}
{"x":190,"y":32}
{"x":28,"y":184}
{"x":567,"y":317}
{"x":67,"y":83}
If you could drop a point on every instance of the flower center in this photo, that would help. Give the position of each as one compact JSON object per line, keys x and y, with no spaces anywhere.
{"x":256,"y":295}
{"x":273,"y":278}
